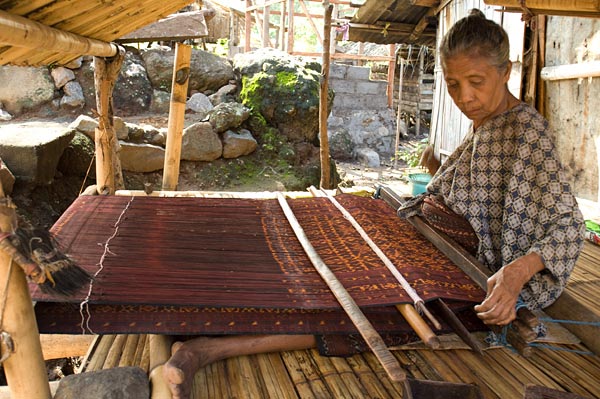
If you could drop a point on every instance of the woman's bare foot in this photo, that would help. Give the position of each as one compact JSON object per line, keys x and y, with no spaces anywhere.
{"x":186,"y":359}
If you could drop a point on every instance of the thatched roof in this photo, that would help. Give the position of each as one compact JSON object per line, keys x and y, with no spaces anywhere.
{"x":94,"y":19}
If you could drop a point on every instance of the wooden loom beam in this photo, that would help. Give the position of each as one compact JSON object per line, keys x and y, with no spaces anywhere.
{"x":365,"y":328}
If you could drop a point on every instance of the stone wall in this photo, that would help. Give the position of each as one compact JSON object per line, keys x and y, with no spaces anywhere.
{"x":360,"y":125}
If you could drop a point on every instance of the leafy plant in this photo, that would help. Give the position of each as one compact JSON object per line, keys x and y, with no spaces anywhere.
{"x":413,"y":156}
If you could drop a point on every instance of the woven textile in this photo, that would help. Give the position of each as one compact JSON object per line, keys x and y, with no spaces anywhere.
{"x":240,"y":253}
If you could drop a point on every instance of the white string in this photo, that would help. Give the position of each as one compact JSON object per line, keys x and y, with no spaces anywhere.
{"x":84,"y":306}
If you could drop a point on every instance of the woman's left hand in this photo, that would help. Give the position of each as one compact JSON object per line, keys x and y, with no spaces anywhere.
{"x":504,"y":287}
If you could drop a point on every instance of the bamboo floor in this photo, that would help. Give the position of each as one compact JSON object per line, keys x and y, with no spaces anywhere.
{"x":500,"y":373}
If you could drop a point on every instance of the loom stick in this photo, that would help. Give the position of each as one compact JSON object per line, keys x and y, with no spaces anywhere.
{"x":365,"y":328}
{"x":408,"y":311}
{"x":458,"y":327}
{"x":418,"y":301}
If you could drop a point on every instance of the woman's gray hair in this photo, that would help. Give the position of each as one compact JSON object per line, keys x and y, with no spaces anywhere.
{"x":476,"y":35}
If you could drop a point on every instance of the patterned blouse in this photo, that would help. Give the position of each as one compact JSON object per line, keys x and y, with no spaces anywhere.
{"x":506,"y":180}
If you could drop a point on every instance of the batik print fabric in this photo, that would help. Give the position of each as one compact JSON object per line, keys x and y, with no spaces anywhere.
{"x":505,"y":179}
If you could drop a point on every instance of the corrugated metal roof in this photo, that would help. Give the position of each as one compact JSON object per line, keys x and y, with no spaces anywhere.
{"x":97,"y":19}
{"x":394,"y":21}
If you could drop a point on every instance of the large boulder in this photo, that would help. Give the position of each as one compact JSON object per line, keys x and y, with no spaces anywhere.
{"x":78,"y":158}
{"x":133,"y":91}
{"x":141,"y":157}
{"x":284,"y":90}
{"x":228,"y":116}
{"x":119,"y":382}
{"x":32,"y":155}
{"x":208,"y":71}
{"x":200,"y":143}
{"x":238,"y":144}
{"x":25,"y":87}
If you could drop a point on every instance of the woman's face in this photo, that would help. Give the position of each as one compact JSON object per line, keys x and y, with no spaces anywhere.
{"x":477,"y":87}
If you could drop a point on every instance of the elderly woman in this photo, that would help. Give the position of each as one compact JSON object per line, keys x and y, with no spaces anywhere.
{"x":504,"y":180}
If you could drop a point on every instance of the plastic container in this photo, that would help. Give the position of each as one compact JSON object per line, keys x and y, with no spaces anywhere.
{"x":418,"y":182}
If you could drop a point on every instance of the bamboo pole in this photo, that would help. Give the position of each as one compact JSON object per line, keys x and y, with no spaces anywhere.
{"x":571,"y":71}
{"x":365,"y":328}
{"x":324,"y":103}
{"x":22,"y":32}
{"x":550,"y":5}
{"x":24,"y":368}
{"x":109,"y":176}
{"x":181,"y":77}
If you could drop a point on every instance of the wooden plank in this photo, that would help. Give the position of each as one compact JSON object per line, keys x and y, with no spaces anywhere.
{"x":571,"y":71}
{"x":276,"y":378}
{"x":178,"y":27}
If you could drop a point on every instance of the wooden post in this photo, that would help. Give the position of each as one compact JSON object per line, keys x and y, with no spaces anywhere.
{"x":420,"y":77}
{"x":399,"y":114}
{"x":391,"y":77}
{"x":109,"y":176}
{"x":247,"y":27}
{"x":290,"y":43}
{"x":323,"y":102}
{"x":24,"y":368}
{"x":282,"y":26}
{"x":181,"y":77}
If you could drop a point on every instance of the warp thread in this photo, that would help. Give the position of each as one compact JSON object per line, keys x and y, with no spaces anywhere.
{"x":84,"y":305}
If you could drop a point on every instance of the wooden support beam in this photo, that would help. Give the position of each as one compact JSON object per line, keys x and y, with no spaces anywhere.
{"x":421,"y":25}
{"x":391,"y":75}
{"x":267,"y":4}
{"x":179,"y":86}
{"x":312,"y":23}
{"x":109,"y":176}
{"x":373,"y":10}
{"x":290,"y":41}
{"x":247,"y":27}
{"x":283,"y":14}
{"x":324,"y":104}
{"x":266,"y":25}
{"x":425,"y":3}
{"x":24,"y":367}
{"x":22,"y":32}
{"x":550,"y":5}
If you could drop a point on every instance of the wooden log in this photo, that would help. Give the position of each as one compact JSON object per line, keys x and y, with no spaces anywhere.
{"x":24,"y":368}
{"x":181,"y":78}
{"x":391,"y":76}
{"x":109,"y":176}
{"x":324,"y":103}
{"x":571,"y":71}
{"x":22,"y":32}
{"x":160,"y":352}
{"x":365,"y":328}
{"x":399,"y":111}
{"x":58,"y":346}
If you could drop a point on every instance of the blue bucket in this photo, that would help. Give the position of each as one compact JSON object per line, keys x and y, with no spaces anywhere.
{"x":418,"y":182}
